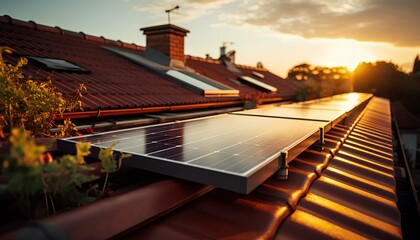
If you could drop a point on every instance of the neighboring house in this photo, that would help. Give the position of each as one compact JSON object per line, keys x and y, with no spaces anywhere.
{"x":125,"y":78}
{"x":341,"y":184}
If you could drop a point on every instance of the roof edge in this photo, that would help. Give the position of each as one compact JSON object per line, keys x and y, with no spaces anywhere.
{"x":57,"y":30}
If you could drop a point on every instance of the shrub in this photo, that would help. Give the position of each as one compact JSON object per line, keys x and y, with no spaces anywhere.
{"x":43,"y":186}
{"x":35,"y":178}
{"x":30,"y":104}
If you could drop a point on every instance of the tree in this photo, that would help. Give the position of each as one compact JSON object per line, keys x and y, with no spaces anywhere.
{"x":382,"y":78}
{"x":318,"y":81}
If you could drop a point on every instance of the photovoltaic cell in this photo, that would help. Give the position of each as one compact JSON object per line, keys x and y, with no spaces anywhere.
{"x":233,"y":145}
{"x":296,"y":113}
{"x":232,"y":151}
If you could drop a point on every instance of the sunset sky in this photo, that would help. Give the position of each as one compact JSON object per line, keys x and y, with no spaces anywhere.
{"x":280,"y":34}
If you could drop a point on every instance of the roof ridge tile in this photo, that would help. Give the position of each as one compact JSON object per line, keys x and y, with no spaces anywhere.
{"x":57,"y":30}
{"x":21,"y":23}
{"x":207,"y":60}
{"x":94,"y":38}
{"x":6,"y":19}
{"x":45,"y":28}
{"x":73,"y":34}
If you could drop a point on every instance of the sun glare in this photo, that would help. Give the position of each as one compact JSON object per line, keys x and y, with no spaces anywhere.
{"x":348,"y":53}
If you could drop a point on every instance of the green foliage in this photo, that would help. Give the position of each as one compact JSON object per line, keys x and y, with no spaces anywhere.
{"x":305,"y":71}
{"x":75,"y":101}
{"x":24,"y":169}
{"x":67,"y":129}
{"x":313,"y":90}
{"x":64,"y":180}
{"x":32,"y":177}
{"x":28,"y":103}
{"x":317,"y":81}
{"x":110,"y":162}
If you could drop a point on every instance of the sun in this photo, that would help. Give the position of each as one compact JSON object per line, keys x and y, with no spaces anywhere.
{"x":348,"y":53}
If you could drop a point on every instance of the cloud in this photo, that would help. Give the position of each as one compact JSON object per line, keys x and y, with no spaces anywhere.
{"x":189,"y":9}
{"x":390,"y":21}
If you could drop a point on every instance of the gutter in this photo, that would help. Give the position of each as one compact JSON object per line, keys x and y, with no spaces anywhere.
{"x":130,"y":111}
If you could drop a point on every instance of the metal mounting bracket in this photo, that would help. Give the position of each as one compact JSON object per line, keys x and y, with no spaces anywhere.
{"x":283,"y":172}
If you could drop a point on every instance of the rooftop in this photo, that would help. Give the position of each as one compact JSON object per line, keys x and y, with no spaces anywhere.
{"x":115,"y":82}
{"x":347,"y":190}
{"x":351,"y":183}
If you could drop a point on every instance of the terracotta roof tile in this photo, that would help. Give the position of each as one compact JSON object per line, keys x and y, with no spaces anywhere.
{"x":347,"y":193}
{"x":111,"y":75}
{"x":215,"y":70}
{"x":353,"y":198}
{"x":115,"y":82}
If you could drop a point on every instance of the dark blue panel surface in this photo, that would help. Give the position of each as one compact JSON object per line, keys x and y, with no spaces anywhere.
{"x":233,"y":151}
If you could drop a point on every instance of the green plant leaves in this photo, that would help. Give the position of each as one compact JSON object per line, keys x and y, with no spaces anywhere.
{"x":82,"y":150}
{"x":33,"y":104}
{"x":31,"y":176}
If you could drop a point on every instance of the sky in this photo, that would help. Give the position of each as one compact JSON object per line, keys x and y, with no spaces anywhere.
{"x":280,"y":34}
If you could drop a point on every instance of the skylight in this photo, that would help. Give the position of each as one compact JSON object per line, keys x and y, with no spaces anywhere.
{"x":137,"y":58}
{"x":56,"y":64}
{"x":257,"y":74}
{"x":207,"y":86}
{"x":191,"y":80}
{"x":258,"y":83}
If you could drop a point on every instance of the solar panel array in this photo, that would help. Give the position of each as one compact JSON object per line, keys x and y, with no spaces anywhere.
{"x":235,"y":151}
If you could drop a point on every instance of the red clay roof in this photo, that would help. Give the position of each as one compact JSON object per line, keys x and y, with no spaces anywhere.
{"x":216,"y":70}
{"x":346,"y":191}
{"x":349,"y":195}
{"x":114,"y":82}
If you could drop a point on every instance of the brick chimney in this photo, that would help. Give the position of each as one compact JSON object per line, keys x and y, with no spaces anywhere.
{"x":167,"y":39}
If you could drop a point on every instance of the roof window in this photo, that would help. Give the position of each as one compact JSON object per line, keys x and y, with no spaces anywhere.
{"x":257,"y":83}
{"x":257,"y":74}
{"x":191,"y":80}
{"x":56,"y":64}
{"x":206,"y":86}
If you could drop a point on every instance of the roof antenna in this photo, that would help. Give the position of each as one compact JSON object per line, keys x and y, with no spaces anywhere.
{"x":169,"y":13}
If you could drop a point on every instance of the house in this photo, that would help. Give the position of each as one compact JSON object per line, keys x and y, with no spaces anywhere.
{"x":126,"y":79}
{"x":350,"y":184}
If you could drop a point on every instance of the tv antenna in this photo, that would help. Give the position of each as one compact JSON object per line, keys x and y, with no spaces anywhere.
{"x":169,"y":13}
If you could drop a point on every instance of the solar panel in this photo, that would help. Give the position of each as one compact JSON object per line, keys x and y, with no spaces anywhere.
{"x":137,"y":58}
{"x":208,"y":86}
{"x":198,"y":83}
{"x":257,"y":74}
{"x":234,"y":152}
{"x":258,"y":83}
{"x":190,"y":80}
{"x":342,"y":102}
{"x":56,"y":64}
{"x":297,"y":113}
